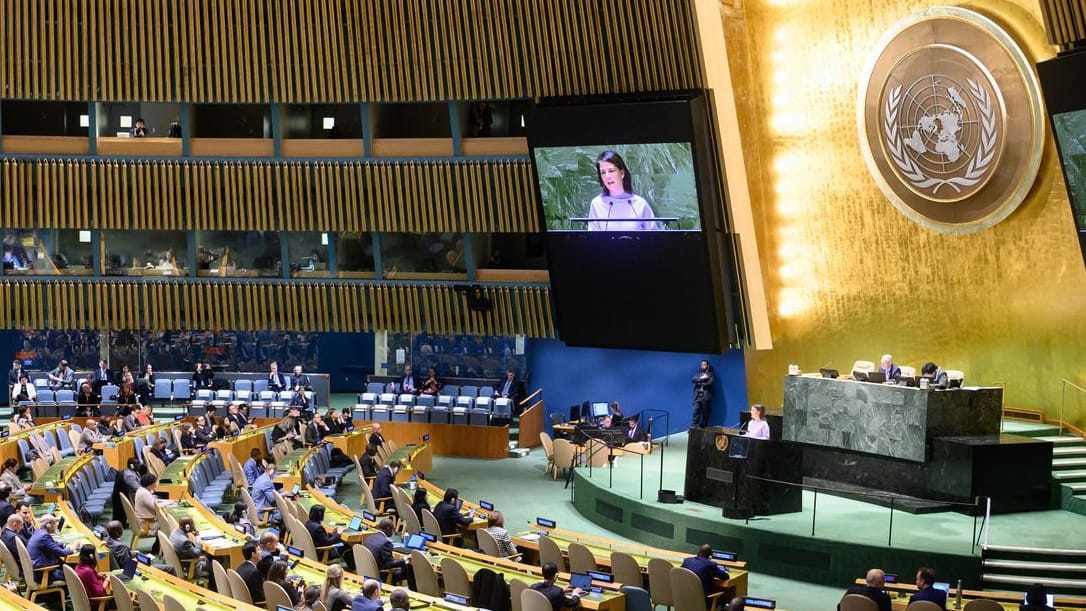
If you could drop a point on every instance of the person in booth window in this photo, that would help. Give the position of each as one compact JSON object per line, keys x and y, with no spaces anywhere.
{"x":617,"y":207}
{"x":100,"y":377}
{"x":87,"y":402}
{"x":23,"y":390}
{"x":509,"y":388}
{"x":139,"y":130}
{"x":276,"y":381}
{"x":431,"y":385}
{"x":300,"y":379}
{"x":203,"y":377}
{"x":406,"y":383}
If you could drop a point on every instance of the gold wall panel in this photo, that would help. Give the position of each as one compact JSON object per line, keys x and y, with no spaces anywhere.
{"x":847,"y":276}
{"x":293,"y":306}
{"x":326,"y":52}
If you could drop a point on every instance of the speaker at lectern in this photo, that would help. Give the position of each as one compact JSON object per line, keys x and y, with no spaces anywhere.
{"x":743,"y":476}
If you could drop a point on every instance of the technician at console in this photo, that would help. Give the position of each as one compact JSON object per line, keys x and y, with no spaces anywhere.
{"x":617,"y":207}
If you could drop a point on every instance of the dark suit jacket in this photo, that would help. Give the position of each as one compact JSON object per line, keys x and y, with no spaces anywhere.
{"x":556,"y":595}
{"x":321,"y":537}
{"x":637,"y":435}
{"x":929,"y":593}
{"x":381,"y":548}
{"x":382,"y":485}
{"x":882,"y":599}
{"x":277,"y":382}
{"x":9,"y":536}
{"x":302,"y":380}
{"x":707,"y":571}
{"x":377,"y":439}
{"x":449,"y":518}
{"x":703,"y":390}
{"x":313,"y":434}
{"x":238,"y":419}
{"x":893,"y":374}
{"x":251,"y":576}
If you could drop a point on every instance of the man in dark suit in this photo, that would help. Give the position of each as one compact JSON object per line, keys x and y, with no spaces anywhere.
{"x":276,"y":380}
{"x":100,"y":377}
{"x":45,"y":551}
{"x":250,"y":574}
{"x":447,"y":515}
{"x":707,"y":571}
{"x":300,"y":379}
{"x":570,"y":597}
{"x":203,"y":377}
{"x":509,"y":388}
{"x":382,"y":484}
{"x":703,"y":382}
{"x":380,"y":546}
{"x":235,"y":417}
{"x":10,"y":533}
{"x":635,"y":433}
{"x":873,"y":588}
{"x":315,"y":430}
{"x":270,"y":550}
{"x":889,"y":369}
{"x":369,"y":599}
{"x":376,"y":438}
{"x":925,"y":588}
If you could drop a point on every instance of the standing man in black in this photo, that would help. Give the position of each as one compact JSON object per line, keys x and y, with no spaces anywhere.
{"x":100,"y":378}
{"x":703,"y":382}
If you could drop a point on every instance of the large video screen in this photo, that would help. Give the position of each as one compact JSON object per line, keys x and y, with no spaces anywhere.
{"x":632,"y":210}
{"x":1065,"y":98}
{"x":618,"y":187}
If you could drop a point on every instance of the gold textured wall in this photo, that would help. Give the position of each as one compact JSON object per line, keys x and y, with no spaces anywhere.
{"x":847,"y":276}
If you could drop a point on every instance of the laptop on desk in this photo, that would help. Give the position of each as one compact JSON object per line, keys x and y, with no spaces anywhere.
{"x":412,"y":542}
{"x":829,"y":373}
{"x":354,"y":527}
{"x":129,"y":570}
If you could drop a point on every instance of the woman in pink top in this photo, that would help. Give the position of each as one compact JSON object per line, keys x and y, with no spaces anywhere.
{"x":93,"y":582}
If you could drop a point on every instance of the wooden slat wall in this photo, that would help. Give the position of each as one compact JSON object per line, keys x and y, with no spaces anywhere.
{"x":474,"y":196}
{"x":350,"y":50}
{"x":1065,"y":22}
{"x":293,"y":306}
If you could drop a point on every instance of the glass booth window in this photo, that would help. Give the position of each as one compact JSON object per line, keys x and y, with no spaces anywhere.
{"x":47,"y":252}
{"x":410,"y":255}
{"x":238,"y":254}
{"x":354,"y":255}
{"x":144,"y":253}
{"x":308,"y":253}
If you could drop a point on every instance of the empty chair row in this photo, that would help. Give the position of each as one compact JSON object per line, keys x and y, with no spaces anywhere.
{"x":485,"y":402}
{"x":448,"y":390}
{"x":438,"y":414}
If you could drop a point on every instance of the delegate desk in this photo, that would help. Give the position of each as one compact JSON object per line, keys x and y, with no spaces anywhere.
{"x":174,"y":481}
{"x":290,"y":470}
{"x":219,"y":539}
{"x":11,"y":601}
{"x":353,"y":443}
{"x":74,"y":534}
{"x":9,"y":446}
{"x":884,"y":419}
{"x":416,"y":458}
{"x":610,"y":599}
{"x":54,"y":481}
{"x":601,"y":550}
{"x":242,"y":445}
{"x":117,"y":450}
{"x":336,"y":515}
{"x":153,"y":581}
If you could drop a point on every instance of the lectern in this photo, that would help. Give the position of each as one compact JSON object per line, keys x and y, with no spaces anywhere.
{"x":728,"y":470}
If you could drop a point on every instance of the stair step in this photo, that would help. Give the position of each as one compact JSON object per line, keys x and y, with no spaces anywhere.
{"x":1045,"y":551}
{"x":1076,"y":487}
{"x":1067,"y":476}
{"x":1025,"y":565}
{"x":1066,"y":451}
{"x":1061,"y":440}
{"x":1050,"y":582}
{"x":1068,"y":463}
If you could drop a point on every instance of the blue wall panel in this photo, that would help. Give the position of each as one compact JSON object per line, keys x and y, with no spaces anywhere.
{"x":637,"y":379}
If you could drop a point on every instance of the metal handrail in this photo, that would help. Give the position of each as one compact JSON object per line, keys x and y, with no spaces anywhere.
{"x":977,"y":504}
{"x":1064,"y":383}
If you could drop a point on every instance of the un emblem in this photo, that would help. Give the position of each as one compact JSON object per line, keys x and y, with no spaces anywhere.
{"x":933,"y":120}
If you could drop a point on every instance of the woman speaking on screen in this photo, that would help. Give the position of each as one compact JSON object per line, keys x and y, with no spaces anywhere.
{"x":617,"y":207}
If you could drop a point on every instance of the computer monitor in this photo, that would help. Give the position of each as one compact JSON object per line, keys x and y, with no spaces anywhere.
{"x":601,"y":576}
{"x":955,"y":383}
{"x":600,"y":409}
{"x":355,"y":524}
{"x":719,"y":555}
{"x":761,"y":603}
{"x":456,"y":599}
{"x":942,"y":585}
{"x":416,"y":542}
{"x":369,"y":517}
{"x":829,"y":373}
{"x":545,"y":523}
{"x":876,"y":377}
{"x":486,"y":506}
{"x":429,"y":537}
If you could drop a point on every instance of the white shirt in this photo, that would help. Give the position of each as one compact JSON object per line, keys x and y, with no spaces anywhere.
{"x":758,"y":429}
